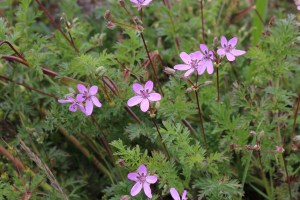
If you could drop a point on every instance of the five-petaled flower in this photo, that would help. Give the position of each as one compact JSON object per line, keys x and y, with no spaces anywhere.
{"x":143,"y":96}
{"x":143,"y":180}
{"x":87,"y":96}
{"x":74,"y":104}
{"x":228,"y":48}
{"x":176,"y":196}
{"x":207,"y":60}
{"x":192,"y":63}
{"x":141,"y":3}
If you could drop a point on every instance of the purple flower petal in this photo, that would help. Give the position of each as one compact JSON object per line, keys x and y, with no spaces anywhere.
{"x":187,"y":73}
{"x":137,"y":88}
{"x":211,"y":55}
{"x":89,"y":107}
{"x":204,"y":48}
{"x":93,"y":90}
{"x":236,"y":52}
{"x":136,"y":189}
{"x":184,"y":197}
{"x":134,"y":1}
{"x":196,"y":55}
{"x":147,"y":190}
{"x":185,"y":57}
{"x":142,"y":170}
{"x":230,"y":57}
{"x":64,"y":101}
{"x":81,"y":108}
{"x":96,"y":101}
{"x":134,"y":101}
{"x":80,"y":97}
{"x":154,"y":97}
{"x":151,"y":179}
{"x":223,"y":41}
{"x":201,"y":69}
{"x":145,"y":104}
{"x":73,"y":107}
{"x":209,"y":66}
{"x":174,"y":194}
{"x":133,"y":176}
{"x":221,"y":52}
{"x":149,"y":86}
{"x":81,"y":88}
{"x":233,"y":41}
{"x":182,"y":67}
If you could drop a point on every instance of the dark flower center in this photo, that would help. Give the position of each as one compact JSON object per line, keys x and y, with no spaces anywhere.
{"x":228,"y":48}
{"x":194,"y":64}
{"x":144,"y":94}
{"x":141,"y":178}
{"x":207,"y":55}
{"x":141,"y":1}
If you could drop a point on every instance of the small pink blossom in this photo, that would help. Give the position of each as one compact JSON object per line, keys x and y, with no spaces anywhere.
{"x":298,"y":7}
{"x":279,"y":149}
{"x":143,"y":96}
{"x":141,"y":3}
{"x":143,"y":180}
{"x":228,"y":48}
{"x":207,"y":60}
{"x":74,"y":104}
{"x":192,"y":63}
{"x":176,"y":196}
{"x":87,"y":96}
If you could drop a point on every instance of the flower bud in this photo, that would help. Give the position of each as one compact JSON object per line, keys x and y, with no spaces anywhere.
{"x":296,"y":138}
{"x":188,"y":90}
{"x":157,"y":105}
{"x":125,"y":197}
{"x":122,"y":2}
{"x":207,"y":83}
{"x":169,"y":71}
{"x":279,"y":149}
{"x":256,"y":147}
{"x":107,"y":15}
{"x":100,"y":71}
{"x":253,"y":133}
{"x":261,"y":134}
{"x":137,"y":21}
{"x":122,"y":162}
{"x":216,"y":41}
{"x":248,"y":147}
{"x":110,"y":25}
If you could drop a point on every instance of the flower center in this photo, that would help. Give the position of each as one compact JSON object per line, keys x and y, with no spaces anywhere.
{"x":144,"y":94}
{"x":228,"y":48}
{"x":194,"y":64}
{"x":86,"y":96}
{"x":141,"y":1}
{"x":142,"y":178}
{"x":207,"y":55}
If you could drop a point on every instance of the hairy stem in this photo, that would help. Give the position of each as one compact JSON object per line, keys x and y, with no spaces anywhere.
{"x":56,"y":25}
{"x":201,"y":120}
{"x":161,"y":139}
{"x":151,"y":63}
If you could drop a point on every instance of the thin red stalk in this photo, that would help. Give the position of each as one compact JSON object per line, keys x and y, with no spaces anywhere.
{"x":151,"y":63}
{"x":10,"y":157}
{"x":132,"y":114}
{"x":56,"y":25}
{"x":28,"y":87}
{"x":218,"y":86}
{"x":202,"y":20}
{"x":161,"y":139}
{"x":295,"y":116}
{"x":14,"y":58}
{"x":201,"y":120}
{"x":12,"y":47}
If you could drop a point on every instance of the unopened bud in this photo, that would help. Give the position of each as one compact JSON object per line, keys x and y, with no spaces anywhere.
{"x":169,"y":71}
{"x":122,"y":2}
{"x":256,"y":147}
{"x":261,"y":134}
{"x":122,"y":162}
{"x":248,"y":147}
{"x":137,"y":21}
{"x":279,"y":149}
{"x":107,"y":15}
{"x":216,"y":41}
{"x":253,"y":133}
{"x":296,"y":138}
{"x":189,"y":90}
{"x":207,"y":83}
{"x":110,"y":25}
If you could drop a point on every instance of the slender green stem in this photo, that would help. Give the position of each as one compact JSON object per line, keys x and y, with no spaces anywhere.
{"x":295,"y":117}
{"x":287,"y":176}
{"x":161,"y":139}
{"x":218,"y":86}
{"x":202,"y":20}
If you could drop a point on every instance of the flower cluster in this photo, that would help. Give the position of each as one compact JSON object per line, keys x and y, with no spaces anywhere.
{"x":202,"y":60}
{"x":85,"y":100}
{"x":143,"y":180}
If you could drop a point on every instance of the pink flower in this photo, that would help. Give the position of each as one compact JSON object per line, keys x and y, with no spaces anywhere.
{"x":141,"y":3}
{"x":143,"y":96}
{"x":176,"y":196}
{"x":88,"y":97}
{"x":228,"y":48}
{"x":207,"y":60}
{"x":298,"y":7}
{"x":143,"y":180}
{"x":74,"y":104}
{"x":191,"y":62}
